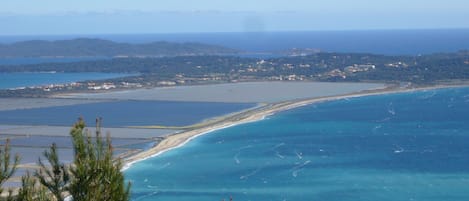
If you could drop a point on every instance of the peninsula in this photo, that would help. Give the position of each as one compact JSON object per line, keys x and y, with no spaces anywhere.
{"x":212,"y":74}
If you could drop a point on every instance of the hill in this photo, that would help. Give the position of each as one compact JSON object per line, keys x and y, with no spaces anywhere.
{"x":86,"y":47}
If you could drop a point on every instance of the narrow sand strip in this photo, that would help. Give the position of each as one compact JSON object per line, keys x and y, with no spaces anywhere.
{"x":178,"y":140}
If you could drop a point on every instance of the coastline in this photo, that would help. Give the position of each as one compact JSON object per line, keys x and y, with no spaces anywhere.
{"x":265,"y":95}
{"x":180,"y":139}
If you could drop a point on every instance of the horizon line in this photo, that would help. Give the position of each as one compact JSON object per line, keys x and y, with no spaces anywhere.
{"x":239,"y":32}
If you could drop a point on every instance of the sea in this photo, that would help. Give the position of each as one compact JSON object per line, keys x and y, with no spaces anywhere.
{"x":408,"y":146}
{"x":256,"y":44}
{"x":396,"y":147}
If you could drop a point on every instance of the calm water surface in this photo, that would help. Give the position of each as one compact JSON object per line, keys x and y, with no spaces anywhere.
{"x":123,"y":113}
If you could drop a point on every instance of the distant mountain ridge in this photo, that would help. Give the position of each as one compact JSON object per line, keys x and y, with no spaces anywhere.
{"x":82,"y":47}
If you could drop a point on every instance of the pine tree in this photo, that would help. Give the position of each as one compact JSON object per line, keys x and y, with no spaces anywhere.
{"x":7,"y":169}
{"x":56,"y":177}
{"x":30,"y":191}
{"x":94,"y":174}
{"x":95,"y":168}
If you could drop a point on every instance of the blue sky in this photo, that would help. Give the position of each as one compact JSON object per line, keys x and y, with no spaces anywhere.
{"x":31,"y":17}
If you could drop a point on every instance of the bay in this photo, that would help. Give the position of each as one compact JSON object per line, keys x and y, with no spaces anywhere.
{"x":410,"y":146}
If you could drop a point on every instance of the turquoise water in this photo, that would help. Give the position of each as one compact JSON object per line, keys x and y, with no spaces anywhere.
{"x":15,"y":80}
{"x":412,"y":146}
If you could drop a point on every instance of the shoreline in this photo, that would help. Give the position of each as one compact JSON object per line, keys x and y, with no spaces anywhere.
{"x":177,"y":140}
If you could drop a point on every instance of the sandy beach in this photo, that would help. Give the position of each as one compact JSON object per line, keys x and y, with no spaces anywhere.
{"x":275,"y":97}
{"x":270,"y":97}
{"x":179,"y":139}
{"x":172,"y":138}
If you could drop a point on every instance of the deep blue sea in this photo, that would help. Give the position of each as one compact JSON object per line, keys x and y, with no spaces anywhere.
{"x":16,"y":80}
{"x":396,"y":147}
{"x":390,"y":42}
{"x":123,"y":113}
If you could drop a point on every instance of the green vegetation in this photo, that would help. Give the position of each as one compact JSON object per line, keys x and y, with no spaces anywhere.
{"x":56,"y":177}
{"x":6,"y":168}
{"x":93,"y":175}
{"x":190,"y":70}
{"x":85,"y":47}
{"x":354,"y":66}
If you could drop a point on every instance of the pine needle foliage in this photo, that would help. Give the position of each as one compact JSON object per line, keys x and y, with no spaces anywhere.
{"x":94,"y":174}
{"x":95,"y":168}
{"x":7,"y":165}
{"x":56,"y":177}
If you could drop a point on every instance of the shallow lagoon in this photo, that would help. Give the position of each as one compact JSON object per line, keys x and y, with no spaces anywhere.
{"x":243,"y":92}
{"x":123,"y":113}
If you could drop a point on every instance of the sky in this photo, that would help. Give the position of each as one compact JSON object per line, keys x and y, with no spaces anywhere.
{"x":62,"y":17}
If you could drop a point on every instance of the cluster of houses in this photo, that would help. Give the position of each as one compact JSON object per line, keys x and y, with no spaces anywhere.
{"x":261,"y":66}
{"x":87,"y":85}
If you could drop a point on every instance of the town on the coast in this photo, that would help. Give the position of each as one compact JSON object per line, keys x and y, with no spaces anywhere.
{"x":221,"y":66}
{"x":241,"y":100}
